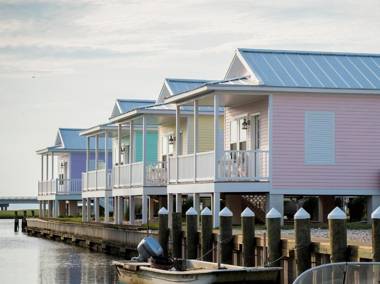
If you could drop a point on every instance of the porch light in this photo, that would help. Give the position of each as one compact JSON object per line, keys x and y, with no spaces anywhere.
{"x":122,"y":149}
{"x":245,"y":124}
{"x":171,"y":139}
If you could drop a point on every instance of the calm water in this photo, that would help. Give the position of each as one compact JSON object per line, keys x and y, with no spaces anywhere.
{"x":32,"y":260}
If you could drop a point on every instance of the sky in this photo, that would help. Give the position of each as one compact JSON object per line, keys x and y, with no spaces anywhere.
{"x":63,"y":63}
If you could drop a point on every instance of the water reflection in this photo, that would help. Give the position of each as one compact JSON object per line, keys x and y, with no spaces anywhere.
{"x":26,"y":259}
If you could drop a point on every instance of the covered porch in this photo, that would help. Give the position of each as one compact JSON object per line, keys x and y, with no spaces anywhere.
{"x":240,"y":154}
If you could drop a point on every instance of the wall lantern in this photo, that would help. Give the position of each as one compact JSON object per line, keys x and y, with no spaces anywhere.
{"x":245,"y":124}
{"x":171,"y":139}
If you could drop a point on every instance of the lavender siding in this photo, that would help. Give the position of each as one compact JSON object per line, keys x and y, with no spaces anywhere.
{"x":78,"y":162}
{"x":357,"y":142}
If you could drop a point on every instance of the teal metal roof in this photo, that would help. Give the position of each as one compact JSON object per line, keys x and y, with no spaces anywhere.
{"x":306,"y":69}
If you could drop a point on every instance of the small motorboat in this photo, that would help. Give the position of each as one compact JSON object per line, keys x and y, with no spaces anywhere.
{"x":150,"y":267}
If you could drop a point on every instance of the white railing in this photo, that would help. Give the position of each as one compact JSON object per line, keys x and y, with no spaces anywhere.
{"x":96,"y":180}
{"x":46,"y":187}
{"x":204,"y":169}
{"x":130,"y":175}
{"x":156,"y":174}
{"x":59,"y":186}
{"x":205,"y":166}
{"x":186,"y":168}
{"x":68,"y":186}
{"x":244,"y":165}
{"x":137,"y":173}
{"x":232,"y":166}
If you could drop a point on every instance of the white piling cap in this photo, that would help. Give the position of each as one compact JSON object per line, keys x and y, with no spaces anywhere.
{"x":376,"y":214}
{"x":191,"y":211}
{"x":206,"y":212}
{"x":273,"y":213}
{"x":337,"y":214}
{"x":163,"y":211}
{"x":247,"y":213}
{"x":225,"y":212}
{"x":301,"y":214}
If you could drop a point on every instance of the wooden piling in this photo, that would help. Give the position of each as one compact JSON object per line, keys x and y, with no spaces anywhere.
{"x":273,"y":220}
{"x":248,"y":232}
{"x":176,"y":234}
{"x":376,"y":234}
{"x":225,"y":235}
{"x":303,"y":240}
{"x":163,"y":230}
{"x":191,"y":233}
{"x":338,"y":235}
{"x":206,"y":234}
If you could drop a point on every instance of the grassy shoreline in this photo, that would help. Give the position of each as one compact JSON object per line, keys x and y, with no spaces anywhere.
{"x":10,"y":214}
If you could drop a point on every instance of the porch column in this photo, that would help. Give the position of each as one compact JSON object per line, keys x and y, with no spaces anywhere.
{"x":47,"y":166}
{"x":56,"y":212}
{"x":40,"y":210}
{"x":120,"y":217}
{"x":87,"y":160}
{"x":119,"y":151}
{"x":177,"y":138}
{"x":106,"y":209}
{"x":52,"y":165}
{"x":218,"y":137}
{"x":131,"y":150}
{"x":42,"y":167}
{"x":195,"y":140}
{"x":151,"y":208}
{"x":196,"y":204}
{"x":84,"y":210}
{"x":108,"y":186}
{"x":215,"y":209}
{"x":178,"y":202}
{"x":143,"y":147}
{"x":96,"y":209}
{"x":44,"y":208}
{"x":169,"y":205}
{"x":96,"y":160}
{"x":116,"y":210}
{"x":88,"y":215}
{"x":144,"y":208}
{"x":132,"y":209}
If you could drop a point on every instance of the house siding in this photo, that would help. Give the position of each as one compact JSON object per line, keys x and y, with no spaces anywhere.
{"x":357,"y":142}
{"x":261,"y":107}
{"x":205,"y":133}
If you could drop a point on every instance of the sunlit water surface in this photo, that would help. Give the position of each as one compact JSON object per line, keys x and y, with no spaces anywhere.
{"x":25,"y":259}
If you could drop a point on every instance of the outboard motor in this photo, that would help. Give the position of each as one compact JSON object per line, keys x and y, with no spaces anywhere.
{"x":148,"y":247}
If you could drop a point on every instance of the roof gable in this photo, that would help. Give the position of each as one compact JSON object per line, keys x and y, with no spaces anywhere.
{"x":123,"y":106}
{"x":172,"y":87}
{"x":308,"y":69}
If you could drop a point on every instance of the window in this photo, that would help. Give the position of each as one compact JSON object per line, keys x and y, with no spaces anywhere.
{"x":319,"y":138}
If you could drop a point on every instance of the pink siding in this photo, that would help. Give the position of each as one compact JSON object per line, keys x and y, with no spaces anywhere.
{"x":357,"y":124}
{"x":260,"y":106}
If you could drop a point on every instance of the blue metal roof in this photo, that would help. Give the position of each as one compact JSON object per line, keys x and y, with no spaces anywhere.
{"x":177,"y":86}
{"x":124,"y":106}
{"x":313,"y":69}
{"x":70,"y":139}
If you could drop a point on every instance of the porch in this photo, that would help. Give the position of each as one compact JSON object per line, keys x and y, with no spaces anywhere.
{"x":241,"y":146}
{"x":59,"y":187}
{"x":233,"y":165}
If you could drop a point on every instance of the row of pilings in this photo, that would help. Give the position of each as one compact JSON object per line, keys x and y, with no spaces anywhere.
{"x":193,"y":239}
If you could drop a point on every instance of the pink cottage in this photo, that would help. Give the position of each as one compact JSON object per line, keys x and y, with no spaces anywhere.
{"x":299,"y":127}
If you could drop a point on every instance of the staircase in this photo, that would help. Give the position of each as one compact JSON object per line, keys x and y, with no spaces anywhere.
{"x":257,"y":204}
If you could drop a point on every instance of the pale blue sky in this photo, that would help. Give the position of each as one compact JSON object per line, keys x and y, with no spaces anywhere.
{"x":85,"y":54}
